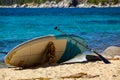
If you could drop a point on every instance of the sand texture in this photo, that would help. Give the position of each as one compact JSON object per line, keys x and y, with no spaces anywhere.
{"x":96,"y":70}
{"x":79,"y":71}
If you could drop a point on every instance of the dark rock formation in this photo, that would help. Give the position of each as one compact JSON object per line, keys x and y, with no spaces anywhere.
{"x":74,"y":3}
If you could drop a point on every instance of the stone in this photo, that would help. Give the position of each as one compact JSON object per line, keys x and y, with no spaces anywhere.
{"x":73,"y":3}
{"x":24,"y":5}
{"x":15,"y":6}
{"x":81,"y":5}
{"x":112,"y":51}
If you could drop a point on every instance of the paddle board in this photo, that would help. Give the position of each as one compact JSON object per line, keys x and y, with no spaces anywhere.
{"x":45,"y":50}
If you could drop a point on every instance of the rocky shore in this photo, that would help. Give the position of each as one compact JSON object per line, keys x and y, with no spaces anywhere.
{"x":61,"y":4}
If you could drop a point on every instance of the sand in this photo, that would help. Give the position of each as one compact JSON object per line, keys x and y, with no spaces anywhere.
{"x":76,"y":71}
{"x":96,"y":70}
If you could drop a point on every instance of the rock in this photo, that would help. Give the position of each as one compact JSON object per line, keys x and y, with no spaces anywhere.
{"x":73,"y":3}
{"x":68,"y":3}
{"x":65,"y":4}
{"x":81,"y":5}
{"x":100,"y":4}
{"x":41,"y":5}
{"x":60,"y":4}
{"x":24,"y":5}
{"x":31,"y":5}
{"x":112,"y":51}
{"x":15,"y":6}
{"x":53,"y":4}
{"x":47,"y":4}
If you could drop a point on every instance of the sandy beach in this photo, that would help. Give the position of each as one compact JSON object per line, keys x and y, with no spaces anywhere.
{"x":96,"y":70}
{"x":77,"y":71}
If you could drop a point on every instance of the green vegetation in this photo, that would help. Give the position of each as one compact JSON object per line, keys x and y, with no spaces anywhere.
{"x":103,"y":2}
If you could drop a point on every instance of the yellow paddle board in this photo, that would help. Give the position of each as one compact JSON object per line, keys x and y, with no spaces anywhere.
{"x":44,"y":50}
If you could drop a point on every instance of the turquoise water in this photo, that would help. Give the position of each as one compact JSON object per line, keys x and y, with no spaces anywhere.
{"x":100,"y":27}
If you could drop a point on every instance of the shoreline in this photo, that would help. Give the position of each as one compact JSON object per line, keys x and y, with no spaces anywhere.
{"x":51,"y":5}
{"x":60,"y":7}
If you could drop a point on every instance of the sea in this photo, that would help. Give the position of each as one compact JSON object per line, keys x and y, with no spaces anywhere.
{"x":100,"y":27}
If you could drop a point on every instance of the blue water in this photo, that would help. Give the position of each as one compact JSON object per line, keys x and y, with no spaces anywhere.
{"x":100,"y":27}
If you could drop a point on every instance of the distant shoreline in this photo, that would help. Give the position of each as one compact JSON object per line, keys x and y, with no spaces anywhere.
{"x":50,"y":5}
{"x":62,"y":4}
{"x":61,"y":7}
